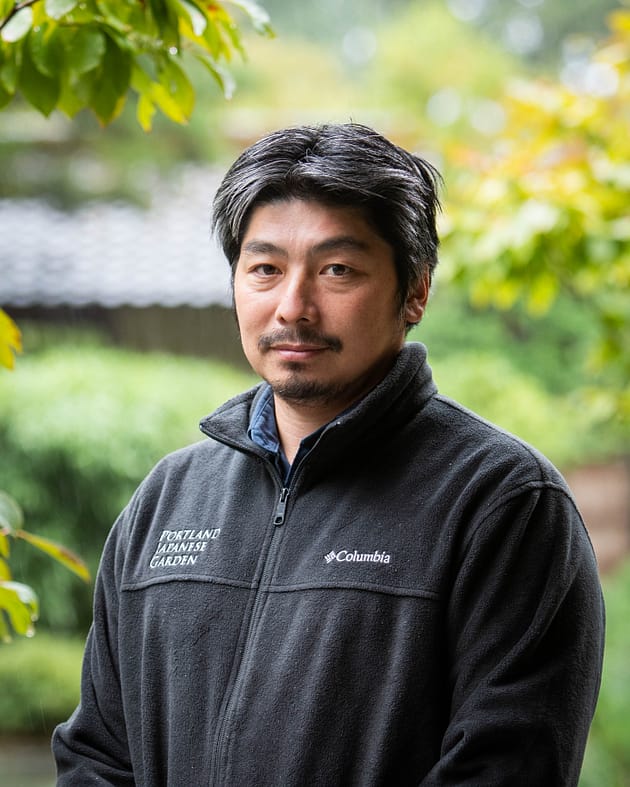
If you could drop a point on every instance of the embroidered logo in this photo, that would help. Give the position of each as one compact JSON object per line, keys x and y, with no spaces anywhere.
{"x":182,"y":547}
{"x":354,"y":556}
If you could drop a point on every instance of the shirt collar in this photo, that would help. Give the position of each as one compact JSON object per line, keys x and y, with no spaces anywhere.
{"x":262,"y":424}
{"x":263,"y":430}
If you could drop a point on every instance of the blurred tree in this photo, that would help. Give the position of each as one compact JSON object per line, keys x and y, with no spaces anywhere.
{"x":74,"y":55}
{"x":436,"y":77}
{"x":19,"y":607}
{"x":537,"y":30}
{"x":547,"y":208}
{"x":71,"y":55}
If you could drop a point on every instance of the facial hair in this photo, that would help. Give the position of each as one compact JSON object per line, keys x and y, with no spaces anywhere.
{"x":295,"y":388}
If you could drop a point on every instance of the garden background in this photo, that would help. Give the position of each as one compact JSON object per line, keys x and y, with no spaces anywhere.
{"x":525,"y":107}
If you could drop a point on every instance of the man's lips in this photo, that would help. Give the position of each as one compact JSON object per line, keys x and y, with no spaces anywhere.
{"x":294,"y":352}
{"x":299,"y":348}
{"x":298,"y":344}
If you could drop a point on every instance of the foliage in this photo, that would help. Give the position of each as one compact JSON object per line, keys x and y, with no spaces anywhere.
{"x":549,"y":349}
{"x":608,"y":756}
{"x":103,"y":418}
{"x":39,"y":684}
{"x":429,"y":93}
{"x":10,"y":340}
{"x":562,"y":25}
{"x":19,"y":606}
{"x":547,"y":210}
{"x":71,"y":55}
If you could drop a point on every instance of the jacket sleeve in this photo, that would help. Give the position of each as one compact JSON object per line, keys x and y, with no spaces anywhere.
{"x":91,"y":747}
{"x":525,"y":623}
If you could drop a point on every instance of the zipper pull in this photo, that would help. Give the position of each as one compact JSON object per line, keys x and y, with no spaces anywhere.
{"x":278,"y":518}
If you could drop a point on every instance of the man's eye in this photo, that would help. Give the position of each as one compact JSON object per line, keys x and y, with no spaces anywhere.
{"x":337,"y":269}
{"x":265,"y":270}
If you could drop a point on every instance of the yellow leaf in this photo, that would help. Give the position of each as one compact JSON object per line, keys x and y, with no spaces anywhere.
{"x":10,"y":340}
{"x":21,"y":607}
{"x":5,"y":549}
{"x":60,"y":553}
{"x":5,"y":571}
{"x":144,"y":112}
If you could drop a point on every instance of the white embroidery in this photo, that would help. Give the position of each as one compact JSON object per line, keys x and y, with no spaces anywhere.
{"x":353,"y":556}
{"x":182,"y":547}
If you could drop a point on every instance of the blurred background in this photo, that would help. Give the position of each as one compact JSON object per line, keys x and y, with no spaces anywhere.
{"x":122,"y":298}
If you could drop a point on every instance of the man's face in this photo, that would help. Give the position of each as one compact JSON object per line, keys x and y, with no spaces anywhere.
{"x":316,"y":296}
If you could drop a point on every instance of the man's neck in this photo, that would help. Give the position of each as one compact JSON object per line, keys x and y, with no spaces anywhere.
{"x":295,"y":421}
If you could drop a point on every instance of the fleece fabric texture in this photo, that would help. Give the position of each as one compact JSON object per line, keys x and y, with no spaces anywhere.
{"x":420,"y":607}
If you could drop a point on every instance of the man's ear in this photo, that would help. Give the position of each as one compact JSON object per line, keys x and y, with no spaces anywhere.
{"x":417,"y":299}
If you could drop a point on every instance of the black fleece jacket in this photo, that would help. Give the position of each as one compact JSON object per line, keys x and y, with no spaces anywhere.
{"x":420,"y":607}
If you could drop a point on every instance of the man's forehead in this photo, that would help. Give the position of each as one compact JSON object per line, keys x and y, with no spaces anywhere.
{"x":328,"y":224}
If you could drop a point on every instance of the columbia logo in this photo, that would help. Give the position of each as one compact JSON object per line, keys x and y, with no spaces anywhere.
{"x":354,"y":556}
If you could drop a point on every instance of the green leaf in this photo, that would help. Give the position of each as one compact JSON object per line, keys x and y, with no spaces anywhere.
{"x":5,"y":549}
{"x":5,"y":634}
{"x":259,"y":17}
{"x":198,"y":20}
{"x":73,"y":96}
{"x":20,"y":606}
{"x":111,"y":82}
{"x":11,"y":517}
{"x":117,"y":16}
{"x":46,"y":49}
{"x":39,"y":90}
{"x":85,"y":50}
{"x":58,"y":8}
{"x":9,"y":71}
{"x":18,"y":26}
{"x":6,"y":6}
{"x":224,"y":79}
{"x":145,"y":111}
{"x":174,"y":79}
{"x":5,"y":571}
{"x":172,"y":93}
{"x":62,"y":555}
{"x":167,"y":22}
{"x":5,"y":96}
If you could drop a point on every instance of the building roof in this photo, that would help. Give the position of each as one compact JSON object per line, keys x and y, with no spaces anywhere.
{"x":114,"y":254}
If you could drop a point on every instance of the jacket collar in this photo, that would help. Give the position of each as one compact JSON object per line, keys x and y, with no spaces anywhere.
{"x":403,"y":391}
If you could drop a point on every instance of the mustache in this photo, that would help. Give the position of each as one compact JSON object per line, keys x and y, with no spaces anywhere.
{"x":299,"y":336}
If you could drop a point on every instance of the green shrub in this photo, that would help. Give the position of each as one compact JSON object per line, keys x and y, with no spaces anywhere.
{"x":39,"y":683}
{"x":80,"y":426}
{"x":492,"y":387}
{"x":607,"y":760}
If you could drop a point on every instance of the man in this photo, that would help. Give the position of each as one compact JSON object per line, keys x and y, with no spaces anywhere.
{"x":354,"y":581}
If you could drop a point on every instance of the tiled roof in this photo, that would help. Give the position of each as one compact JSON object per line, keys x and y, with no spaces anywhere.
{"x":115,"y":254}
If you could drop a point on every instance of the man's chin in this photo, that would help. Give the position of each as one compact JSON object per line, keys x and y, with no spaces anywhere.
{"x":299,"y":389}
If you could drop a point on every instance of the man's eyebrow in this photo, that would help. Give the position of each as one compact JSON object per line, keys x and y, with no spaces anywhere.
{"x":263,"y":247}
{"x":336,"y":243}
{"x":339,"y":243}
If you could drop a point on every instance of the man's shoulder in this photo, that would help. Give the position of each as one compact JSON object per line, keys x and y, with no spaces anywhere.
{"x":223,"y":429}
{"x":484,"y":443}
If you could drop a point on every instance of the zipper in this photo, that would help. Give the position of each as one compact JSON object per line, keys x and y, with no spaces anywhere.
{"x":278,"y":519}
{"x":281,"y":508}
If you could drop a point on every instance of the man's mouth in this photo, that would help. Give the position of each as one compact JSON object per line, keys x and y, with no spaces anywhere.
{"x":296,"y":345}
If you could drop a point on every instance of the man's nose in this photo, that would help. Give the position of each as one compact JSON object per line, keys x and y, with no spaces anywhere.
{"x":297,"y":300}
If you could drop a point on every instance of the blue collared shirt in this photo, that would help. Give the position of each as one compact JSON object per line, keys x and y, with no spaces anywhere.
{"x":263,"y":430}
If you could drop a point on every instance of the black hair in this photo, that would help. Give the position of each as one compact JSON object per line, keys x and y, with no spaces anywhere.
{"x":348,"y":165}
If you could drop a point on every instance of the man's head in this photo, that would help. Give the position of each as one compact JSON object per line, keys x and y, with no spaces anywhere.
{"x":346,"y":165}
